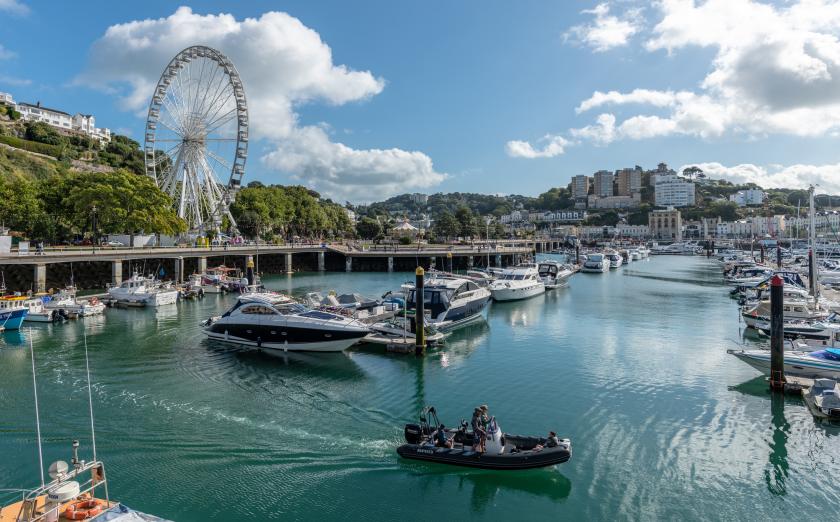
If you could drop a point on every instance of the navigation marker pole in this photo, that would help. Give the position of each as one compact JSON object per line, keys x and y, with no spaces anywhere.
{"x":777,"y":329}
{"x":419,"y":313}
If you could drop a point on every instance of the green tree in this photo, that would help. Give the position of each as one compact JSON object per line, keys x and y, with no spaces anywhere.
{"x":446,"y":225}
{"x":368,"y":228}
{"x":125,"y":203}
{"x":466,"y":221}
{"x":43,"y":133}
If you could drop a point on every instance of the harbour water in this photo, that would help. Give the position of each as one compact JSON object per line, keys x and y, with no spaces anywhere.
{"x":631,"y":365}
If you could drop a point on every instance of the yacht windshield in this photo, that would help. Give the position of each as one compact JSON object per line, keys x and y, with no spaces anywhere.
{"x":290,"y":308}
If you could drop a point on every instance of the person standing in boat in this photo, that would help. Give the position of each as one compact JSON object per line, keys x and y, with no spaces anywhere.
{"x":479,"y":433}
{"x":485,"y":416}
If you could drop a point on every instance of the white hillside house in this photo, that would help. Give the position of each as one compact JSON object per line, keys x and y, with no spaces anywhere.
{"x":53,"y":117}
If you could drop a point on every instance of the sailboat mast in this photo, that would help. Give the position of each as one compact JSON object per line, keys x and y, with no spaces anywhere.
{"x":812,"y":243}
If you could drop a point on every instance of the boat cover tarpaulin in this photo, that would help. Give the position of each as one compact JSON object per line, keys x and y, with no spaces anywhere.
{"x":789,"y":278}
{"x":122,"y":513}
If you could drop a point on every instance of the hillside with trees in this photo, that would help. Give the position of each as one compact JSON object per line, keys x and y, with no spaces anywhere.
{"x":277,"y":212}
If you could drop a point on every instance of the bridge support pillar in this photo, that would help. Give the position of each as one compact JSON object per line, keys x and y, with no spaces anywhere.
{"x":40,"y":278}
{"x":432,"y":262}
{"x":179,"y":270}
{"x":470,"y":261}
{"x":116,"y":272}
{"x":321,"y":264}
{"x":390,"y":264}
{"x":348,"y":264}
{"x":289,"y":263}
{"x":202,"y":265}
{"x":499,"y":260}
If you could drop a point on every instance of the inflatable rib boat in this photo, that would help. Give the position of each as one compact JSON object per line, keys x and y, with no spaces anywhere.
{"x":503,"y":451}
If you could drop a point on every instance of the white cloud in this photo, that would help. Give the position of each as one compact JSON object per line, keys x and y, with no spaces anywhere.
{"x":14,"y":81}
{"x":14,"y":7}
{"x":776,"y":70}
{"x":602,"y":132}
{"x":5,"y":54}
{"x":638,"y":96}
{"x":548,"y":147}
{"x":776,"y":176}
{"x":283,"y":64}
{"x":606,"y":31}
{"x":359,"y":175}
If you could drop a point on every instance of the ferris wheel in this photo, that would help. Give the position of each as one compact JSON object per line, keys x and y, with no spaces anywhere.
{"x":197,"y":136}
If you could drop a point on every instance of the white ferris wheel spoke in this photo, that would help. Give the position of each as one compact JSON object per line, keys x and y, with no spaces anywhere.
{"x":195,"y":116}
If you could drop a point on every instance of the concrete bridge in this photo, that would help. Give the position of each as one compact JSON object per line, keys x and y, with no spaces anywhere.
{"x":326,"y":256}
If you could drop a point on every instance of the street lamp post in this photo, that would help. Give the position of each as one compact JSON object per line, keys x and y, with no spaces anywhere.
{"x":93,"y":226}
{"x":487,"y":222}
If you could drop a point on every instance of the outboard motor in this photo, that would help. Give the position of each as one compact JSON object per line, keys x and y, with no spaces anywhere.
{"x":495,"y":443}
{"x":413,"y":433}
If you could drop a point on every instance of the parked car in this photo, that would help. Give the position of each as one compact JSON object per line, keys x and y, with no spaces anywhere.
{"x":114,"y":243}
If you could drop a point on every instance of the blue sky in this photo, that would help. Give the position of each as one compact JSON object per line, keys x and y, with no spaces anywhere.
{"x":476,"y":96}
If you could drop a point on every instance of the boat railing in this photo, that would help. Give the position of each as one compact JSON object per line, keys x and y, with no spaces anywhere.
{"x":88,"y":487}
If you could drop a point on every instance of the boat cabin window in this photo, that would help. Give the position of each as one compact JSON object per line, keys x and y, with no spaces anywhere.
{"x":258,"y":310}
{"x":317,"y":314}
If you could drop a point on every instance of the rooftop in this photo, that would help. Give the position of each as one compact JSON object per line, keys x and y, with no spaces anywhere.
{"x":39,"y":106}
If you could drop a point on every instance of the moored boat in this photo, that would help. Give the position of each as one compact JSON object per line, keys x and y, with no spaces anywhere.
{"x":451,"y":301}
{"x":596,"y":263}
{"x":821,"y":363}
{"x":502,"y":451}
{"x":517,"y":283}
{"x":277,"y":325}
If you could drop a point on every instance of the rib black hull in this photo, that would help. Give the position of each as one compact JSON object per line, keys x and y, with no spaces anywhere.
{"x":471,"y":459}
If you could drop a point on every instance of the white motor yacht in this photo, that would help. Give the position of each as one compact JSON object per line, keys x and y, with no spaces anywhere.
{"x":596,"y":263}
{"x":66,"y":301}
{"x":615,"y":259}
{"x":280,"y":325}
{"x":821,"y":363}
{"x":794,"y":310}
{"x":554,"y":274}
{"x":517,"y":283}
{"x":452,"y":302}
{"x":143,"y":291}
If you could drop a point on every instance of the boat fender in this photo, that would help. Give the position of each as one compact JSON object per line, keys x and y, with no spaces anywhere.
{"x":259,"y":342}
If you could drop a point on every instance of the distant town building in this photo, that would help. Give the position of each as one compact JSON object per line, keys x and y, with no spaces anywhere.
{"x":710,"y":226}
{"x":7,"y":99}
{"x":603,"y":183}
{"x":53,"y":117}
{"x":748,"y":197}
{"x":632,"y":231}
{"x":661,"y":170}
{"x":665,"y":224}
{"x":769,"y":225}
{"x":559,"y":216}
{"x":629,"y":181}
{"x":580,"y":186}
{"x":350,"y":215}
{"x":673,"y":191}
{"x":633,"y":201}
{"x":420,"y":199}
